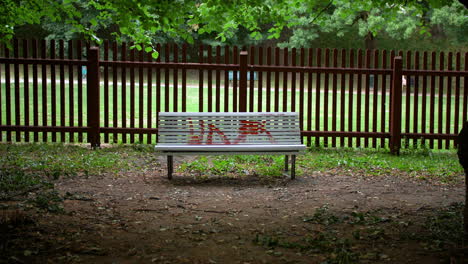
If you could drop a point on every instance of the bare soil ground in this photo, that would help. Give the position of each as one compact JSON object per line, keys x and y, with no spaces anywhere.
{"x":321,"y":217}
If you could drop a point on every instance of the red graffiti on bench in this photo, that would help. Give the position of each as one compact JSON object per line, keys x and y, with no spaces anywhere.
{"x":245,"y":129}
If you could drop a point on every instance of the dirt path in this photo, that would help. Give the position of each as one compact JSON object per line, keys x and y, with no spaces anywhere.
{"x":144,"y":218}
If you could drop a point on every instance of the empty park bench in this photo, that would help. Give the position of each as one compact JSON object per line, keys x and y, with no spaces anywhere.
{"x":229,"y":133}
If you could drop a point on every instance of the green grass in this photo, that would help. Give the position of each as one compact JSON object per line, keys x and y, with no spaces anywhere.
{"x":421,"y":163}
{"x":26,"y":168}
{"x":234,"y":166}
{"x":417,"y":163}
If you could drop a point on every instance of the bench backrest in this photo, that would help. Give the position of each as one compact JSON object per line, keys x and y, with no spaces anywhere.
{"x":274,"y":128}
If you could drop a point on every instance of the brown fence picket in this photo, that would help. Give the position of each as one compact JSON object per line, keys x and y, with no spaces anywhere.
{"x":395,"y":116}
{"x":132,"y":93}
{"x":140,"y":97}
{"x":184,"y":79}
{"x":440,"y":115}
{"x":44,"y":90}
{"x":71,"y":95}
{"x":53,"y":93}
{"x":342,"y":97}
{"x":62,"y":88}
{"x":375,"y":92}
{"x":8,"y":94}
{"x":79,"y":51}
{"x":277,"y":63}
{"x":251,"y":80}
{"x":218,"y":81}
{"x":123,"y":85}
{"x":92,"y":98}
{"x":17,"y":89}
{"x":226,"y":79}
{"x":424,"y":95}
{"x":367,"y":112}
{"x":301,"y":92}
{"x":383,"y":119}
{"x":407,"y":115}
{"x":26,"y":88}
{"x":243,"y":69}
{"x":334,"y":96}
{"x":114,"y":91}
{"x":359,"y":98}
{"x":268,"y":80}
{"x":318,"y":86}
{"x":158,"y":82}
{"x":449,"y":99}
{"x":415,"y":115}
{"x":106,"y":90}
{"x":200,"y":80}
{"x":350,"y":97}
{"x":166,"y":78}
{"x":260,"y":82}
{"x":149,"y":95}
{"x":457,"y":93}
{"x":432,"y":101}
{"x":235,"y":56}
{"x":210,"y":79}
{"x":35,"y":90}
{"x":293,"y":81}
{"x":175,"y":80}
{"x":325,"y":96}
{"x":309,"y":95}
{"x":285,"y":81}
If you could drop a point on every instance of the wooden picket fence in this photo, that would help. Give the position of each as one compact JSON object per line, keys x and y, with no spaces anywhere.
{"x":57,"y":91}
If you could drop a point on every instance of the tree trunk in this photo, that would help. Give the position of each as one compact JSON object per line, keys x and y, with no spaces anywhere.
{"x":370,"y":41}
{"x":465,"y":212}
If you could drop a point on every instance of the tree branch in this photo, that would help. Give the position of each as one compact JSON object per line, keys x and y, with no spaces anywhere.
{"x":321,"y":12}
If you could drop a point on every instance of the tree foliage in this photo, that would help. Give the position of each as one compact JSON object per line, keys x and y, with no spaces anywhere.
{"x":370,"y":19}
{"x":143,"y":21}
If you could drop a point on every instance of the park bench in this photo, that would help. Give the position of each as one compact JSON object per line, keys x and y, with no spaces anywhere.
{"x":229,"y":133}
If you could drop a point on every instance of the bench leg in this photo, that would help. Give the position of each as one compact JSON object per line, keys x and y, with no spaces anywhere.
{"x":293,"y":167}
{"x":286,"y":161}
{"x":170,"y":167}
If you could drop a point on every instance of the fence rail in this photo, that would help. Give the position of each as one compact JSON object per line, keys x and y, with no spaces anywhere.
{"x":59,"y":91}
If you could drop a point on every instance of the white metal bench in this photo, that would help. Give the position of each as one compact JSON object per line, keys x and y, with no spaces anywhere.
{"x":272,"y":133}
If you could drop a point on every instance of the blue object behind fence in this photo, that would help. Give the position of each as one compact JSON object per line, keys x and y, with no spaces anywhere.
{"x":84,"y":71}
{"x":231,"y":76}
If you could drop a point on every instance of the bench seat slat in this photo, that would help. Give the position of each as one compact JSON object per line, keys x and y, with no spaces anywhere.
{"x":226,"y":128}
{"x":228,"y":148}
{"x":220,"y":143}
{"x":230,"y":142}
{"x":253,"y":114}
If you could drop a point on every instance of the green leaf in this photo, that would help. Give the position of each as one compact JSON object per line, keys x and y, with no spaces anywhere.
{"x":148,"y":49}
{"x":93,"y":22}
{"x":155,"y":54}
